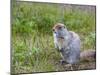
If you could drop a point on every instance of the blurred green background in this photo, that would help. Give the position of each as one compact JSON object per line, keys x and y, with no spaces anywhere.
{"x":32,"y":40}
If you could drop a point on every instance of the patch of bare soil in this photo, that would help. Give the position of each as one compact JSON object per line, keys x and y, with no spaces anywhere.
{"x":81,"y":66}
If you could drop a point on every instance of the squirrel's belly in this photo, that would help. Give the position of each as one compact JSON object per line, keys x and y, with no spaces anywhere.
{"x":62,"y":43}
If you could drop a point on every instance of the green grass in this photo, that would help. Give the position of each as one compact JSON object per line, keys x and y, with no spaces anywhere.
{"x":32,"y":40}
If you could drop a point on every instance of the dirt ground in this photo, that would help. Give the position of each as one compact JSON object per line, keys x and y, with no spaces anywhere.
{"x":87,"y":65}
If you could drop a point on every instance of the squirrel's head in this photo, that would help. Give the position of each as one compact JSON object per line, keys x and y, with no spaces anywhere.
{"x":59,"y":30}
{"x":58,"y":26}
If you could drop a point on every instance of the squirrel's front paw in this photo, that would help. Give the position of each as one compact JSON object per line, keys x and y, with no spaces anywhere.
{"x":62,"y":62}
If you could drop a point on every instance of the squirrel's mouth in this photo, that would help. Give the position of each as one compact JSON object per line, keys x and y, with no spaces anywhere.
{"x":61,"y":37}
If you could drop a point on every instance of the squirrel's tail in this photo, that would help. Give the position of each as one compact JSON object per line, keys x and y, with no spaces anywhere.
{"x":88,"y":55}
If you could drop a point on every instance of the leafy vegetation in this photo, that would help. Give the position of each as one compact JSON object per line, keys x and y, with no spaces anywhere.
{"x":32,"y":40}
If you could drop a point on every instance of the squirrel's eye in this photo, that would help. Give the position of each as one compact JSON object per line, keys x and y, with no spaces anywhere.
{"x":53,"y":30}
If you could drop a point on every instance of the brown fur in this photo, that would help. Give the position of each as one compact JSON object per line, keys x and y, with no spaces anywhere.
{"x":57,"y":26}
